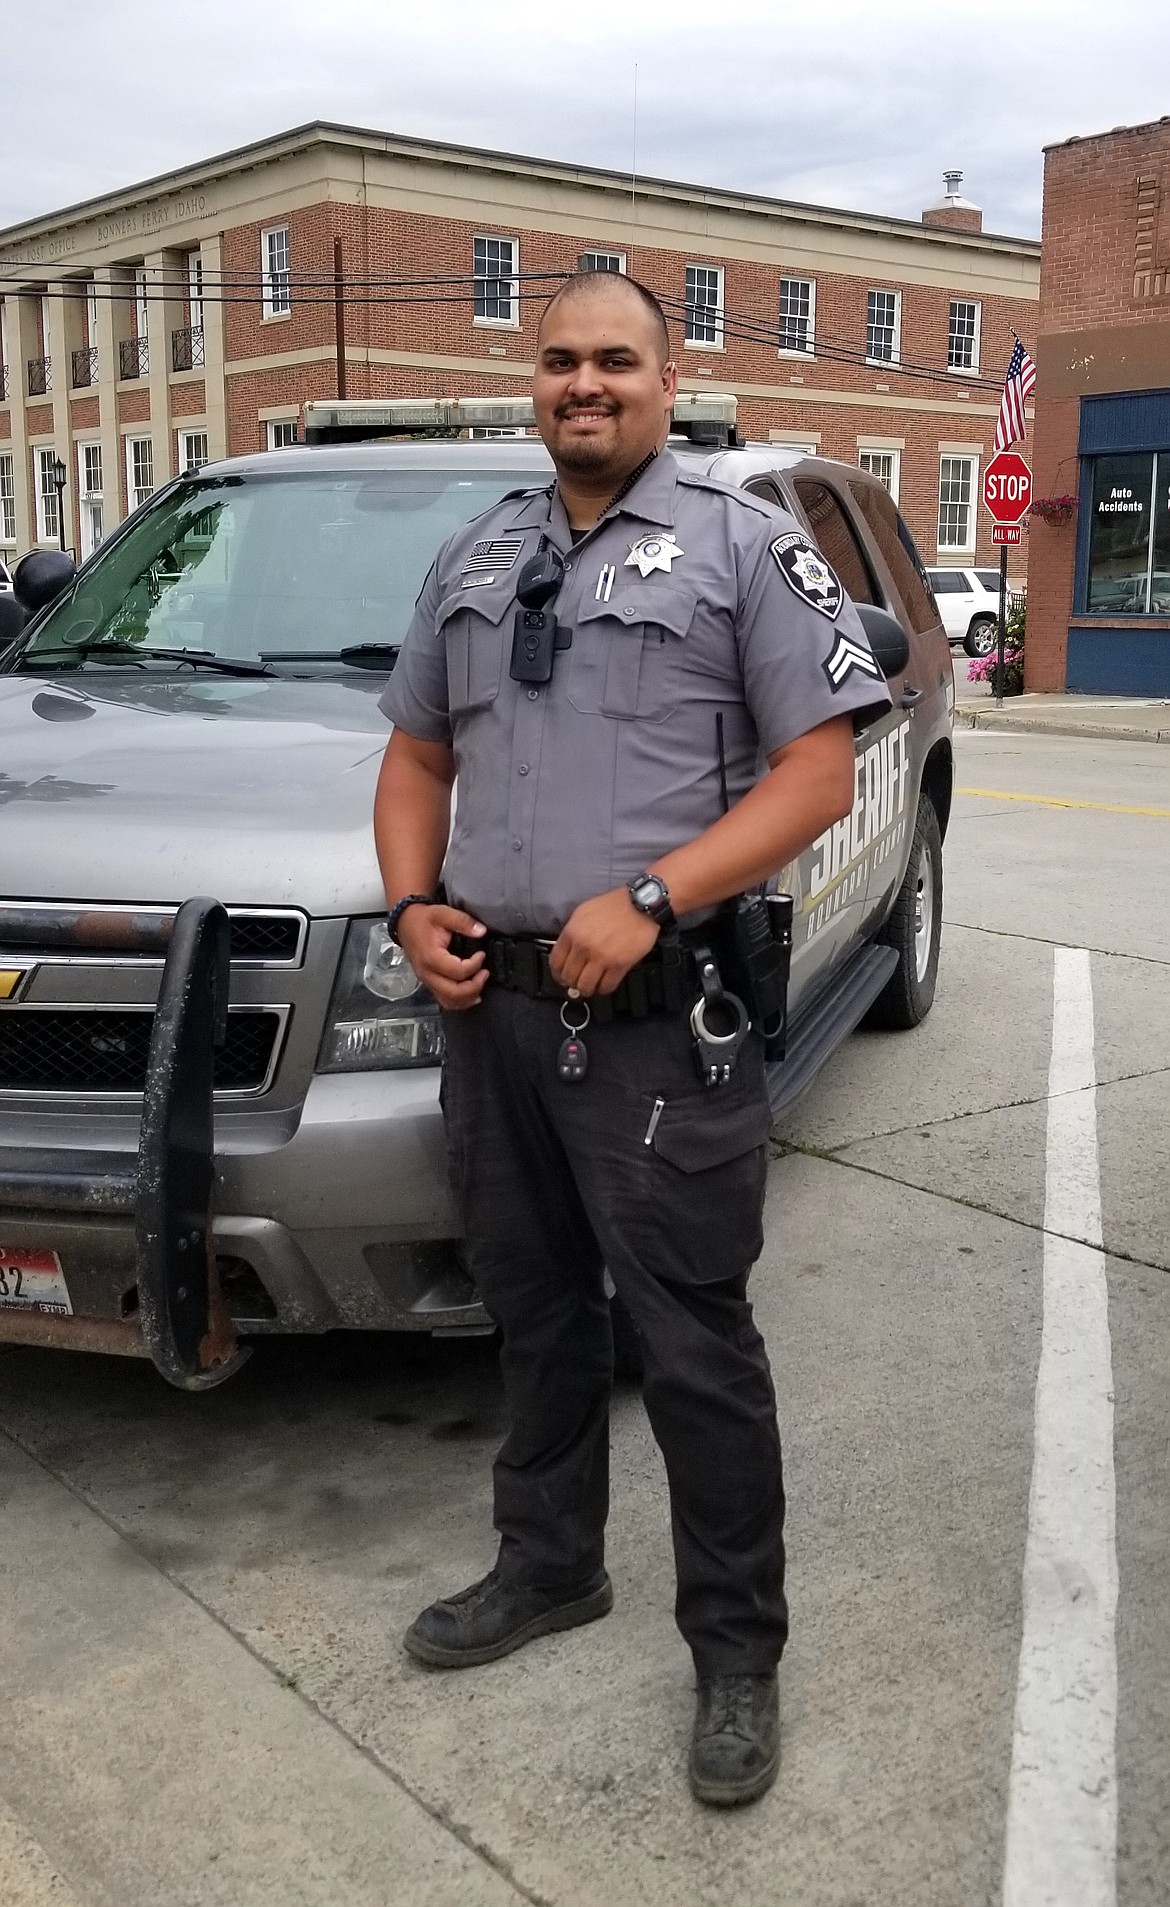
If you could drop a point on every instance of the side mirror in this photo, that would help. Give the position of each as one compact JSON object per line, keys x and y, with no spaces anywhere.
{"x":12,"y":621}
{"x":887,"y":638}
{"x":40,"y":577}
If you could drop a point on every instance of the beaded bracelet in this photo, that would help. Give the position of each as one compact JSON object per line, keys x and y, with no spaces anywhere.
{"x":399,"y":908}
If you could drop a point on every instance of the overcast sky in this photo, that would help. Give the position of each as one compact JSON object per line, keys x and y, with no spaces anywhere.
{"x":857,"y":103}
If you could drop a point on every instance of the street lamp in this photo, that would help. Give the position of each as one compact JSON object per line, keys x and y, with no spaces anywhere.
{"x":59,"y":474}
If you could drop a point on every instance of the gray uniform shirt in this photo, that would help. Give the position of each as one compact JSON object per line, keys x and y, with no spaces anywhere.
{"x":688,"y":599}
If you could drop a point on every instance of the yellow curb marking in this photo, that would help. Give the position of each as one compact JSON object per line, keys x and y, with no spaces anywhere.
{"x":1058,"y":801}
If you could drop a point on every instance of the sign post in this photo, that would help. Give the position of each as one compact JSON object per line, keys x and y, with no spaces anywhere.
{"x":1007,"y":492}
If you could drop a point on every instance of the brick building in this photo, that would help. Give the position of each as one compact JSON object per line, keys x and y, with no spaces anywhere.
{"x":1099,"y":583}
{"x":194,"y":314}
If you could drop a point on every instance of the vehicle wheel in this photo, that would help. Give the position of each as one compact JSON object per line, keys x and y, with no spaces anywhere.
{"x":627,"y":1342}
{"x":914,"y":929}
{"x":981,"y":637}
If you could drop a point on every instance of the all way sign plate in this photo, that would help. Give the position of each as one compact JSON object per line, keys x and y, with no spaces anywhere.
{"x":1007,"y":533}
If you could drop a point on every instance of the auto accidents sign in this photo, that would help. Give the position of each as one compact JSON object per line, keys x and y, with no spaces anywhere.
{"x":1007,"y":487}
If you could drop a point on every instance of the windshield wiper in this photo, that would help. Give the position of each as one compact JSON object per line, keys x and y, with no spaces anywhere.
{"x":359,"y":655}
{"x":198,"y":658}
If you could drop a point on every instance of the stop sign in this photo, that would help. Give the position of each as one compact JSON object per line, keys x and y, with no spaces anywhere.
{"x":1007,"y":487}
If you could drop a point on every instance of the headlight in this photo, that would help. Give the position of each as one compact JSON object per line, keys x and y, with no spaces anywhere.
{"x":380,"y":1014}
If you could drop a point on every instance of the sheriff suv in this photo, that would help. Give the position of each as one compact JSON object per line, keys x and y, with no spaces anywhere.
{"x":195,"y":712}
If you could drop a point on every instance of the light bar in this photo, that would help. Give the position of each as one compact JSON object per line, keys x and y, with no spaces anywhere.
{"x":349,"y":418}
{"x":704,"y":407}
{"x":707,"y":416}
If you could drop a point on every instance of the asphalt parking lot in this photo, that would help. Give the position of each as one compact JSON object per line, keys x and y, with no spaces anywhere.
{"x":201,"y":1599}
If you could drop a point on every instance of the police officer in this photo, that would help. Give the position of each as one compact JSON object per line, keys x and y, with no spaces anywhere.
{"x":609,"y":748}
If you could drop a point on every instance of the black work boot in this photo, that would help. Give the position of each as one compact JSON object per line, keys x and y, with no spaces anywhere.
{"x":735,"y":1753}
{"x":495,"y":1616}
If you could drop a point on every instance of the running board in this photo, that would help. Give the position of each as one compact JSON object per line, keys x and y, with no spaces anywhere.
{"x":817,"y":1033}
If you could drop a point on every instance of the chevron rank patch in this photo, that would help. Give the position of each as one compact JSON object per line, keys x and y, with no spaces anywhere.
{"x":849,"y":656}
{"x":807,"y":574}
{"x":494,"y":553}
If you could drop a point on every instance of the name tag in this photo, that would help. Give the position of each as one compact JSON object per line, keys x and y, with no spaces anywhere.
{"x":476,"y":582}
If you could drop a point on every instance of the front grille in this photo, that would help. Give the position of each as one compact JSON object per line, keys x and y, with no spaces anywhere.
{"x":265,"y":936}
{"x":51,"y":1050}
{"x":31,"y":928}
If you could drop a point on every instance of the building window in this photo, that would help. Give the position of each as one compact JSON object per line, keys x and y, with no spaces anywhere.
{"x":1129,"y":536}
{"x":139,"y":470}
{"x":602,"y":261}
{"x":275,"y":260}
{"x":195,"y":288}
{"x":798,"y":310}
{"x":90,"y":498}
{"x":192,"y":449}
{"x":497,"y":292}
{"x":963,"y":335}
{"x":281,"y":432}
{"x":7,"y":499}
{"x":885,"y":465}
{"x":704,"y":302}
{"x":956,"y":503}
{"x":48,"y":512}
{"x":883,"y":327}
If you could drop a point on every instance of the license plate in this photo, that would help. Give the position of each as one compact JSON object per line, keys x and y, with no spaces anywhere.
{"x":33,"y":1281}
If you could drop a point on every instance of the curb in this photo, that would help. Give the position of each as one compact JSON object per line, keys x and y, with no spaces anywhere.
{"x":1005,"y":724}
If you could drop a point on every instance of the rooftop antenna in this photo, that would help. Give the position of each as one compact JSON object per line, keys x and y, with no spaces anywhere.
{"x":634,"y":169}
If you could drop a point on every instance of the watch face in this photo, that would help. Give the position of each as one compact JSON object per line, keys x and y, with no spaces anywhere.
{"x":649,"y":893}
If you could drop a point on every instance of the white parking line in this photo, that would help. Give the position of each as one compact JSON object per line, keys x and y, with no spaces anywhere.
{"x":1062,"y":1801}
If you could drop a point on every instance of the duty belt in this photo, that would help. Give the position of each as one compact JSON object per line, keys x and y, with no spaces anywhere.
{"x":666,"y":981}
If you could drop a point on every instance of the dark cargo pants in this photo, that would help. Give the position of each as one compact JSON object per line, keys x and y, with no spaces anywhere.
{"x":557,"y":1180}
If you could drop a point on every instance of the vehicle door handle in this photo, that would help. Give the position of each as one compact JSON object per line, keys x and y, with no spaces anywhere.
{"x":909,"y":696}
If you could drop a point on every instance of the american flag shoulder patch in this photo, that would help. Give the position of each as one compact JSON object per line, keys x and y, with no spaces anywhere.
{"x":494,"y":552}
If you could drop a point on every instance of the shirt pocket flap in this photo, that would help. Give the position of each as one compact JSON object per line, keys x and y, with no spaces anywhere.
{"x":492,"y":601}
{"x":695,"y":1134}
{"x":667,"y":605}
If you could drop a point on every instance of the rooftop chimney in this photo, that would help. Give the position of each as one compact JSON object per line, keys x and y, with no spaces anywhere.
{"x":955,"y":213}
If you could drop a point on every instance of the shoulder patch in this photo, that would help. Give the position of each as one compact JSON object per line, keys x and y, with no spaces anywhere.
{"x":807,"y":574}
{"x":849,"y":657}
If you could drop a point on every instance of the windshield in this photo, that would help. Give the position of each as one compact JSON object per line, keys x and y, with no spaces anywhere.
{"x":282,"y":569}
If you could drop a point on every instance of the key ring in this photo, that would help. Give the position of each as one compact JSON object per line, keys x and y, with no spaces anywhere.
{"x":569,"y":1025}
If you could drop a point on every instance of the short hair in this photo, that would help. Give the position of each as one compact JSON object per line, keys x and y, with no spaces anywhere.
{"x":584,"y":282}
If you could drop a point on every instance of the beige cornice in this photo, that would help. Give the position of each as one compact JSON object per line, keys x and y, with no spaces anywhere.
{"x":321,"y":161}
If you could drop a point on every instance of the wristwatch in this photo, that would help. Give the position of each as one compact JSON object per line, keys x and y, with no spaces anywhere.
{"x":651,"y":897}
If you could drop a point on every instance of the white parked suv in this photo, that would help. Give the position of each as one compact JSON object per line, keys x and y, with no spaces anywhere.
{"x":968,"y":604}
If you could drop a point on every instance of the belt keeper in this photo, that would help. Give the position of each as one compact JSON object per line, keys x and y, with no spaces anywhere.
{"x":526,"y":967}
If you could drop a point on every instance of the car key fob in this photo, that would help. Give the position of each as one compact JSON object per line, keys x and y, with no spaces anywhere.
{"x":572,"y":1060}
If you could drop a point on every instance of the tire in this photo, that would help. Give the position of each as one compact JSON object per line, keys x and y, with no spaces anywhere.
{"x":981,"y":637}
{"x":914,"y":929}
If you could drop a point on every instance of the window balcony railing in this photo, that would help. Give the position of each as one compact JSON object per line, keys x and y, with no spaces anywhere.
{"x":133,"y":357}
{"x":187,"y":348}
{"x":85,"y":367}
{"x":40,"y":377}
{"x":3,"y":380}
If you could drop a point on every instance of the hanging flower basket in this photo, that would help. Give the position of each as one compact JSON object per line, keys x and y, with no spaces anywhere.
{"x":1054,"y":510}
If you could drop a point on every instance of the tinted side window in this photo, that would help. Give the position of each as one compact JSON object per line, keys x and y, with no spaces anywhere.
{"x":897,"y":547}
{"x":835,"y":539}
{"x":989,"y":578}
{"x":947,"y":582}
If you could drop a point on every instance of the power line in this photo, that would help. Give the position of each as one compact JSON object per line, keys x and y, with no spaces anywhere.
{"x":442,"y":289}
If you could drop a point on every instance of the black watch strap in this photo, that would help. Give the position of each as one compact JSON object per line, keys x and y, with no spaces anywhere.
{"x":660,"y":911}
{"x":399,"y":908}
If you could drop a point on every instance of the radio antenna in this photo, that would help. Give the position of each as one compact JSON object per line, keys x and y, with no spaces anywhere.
{"x":634,"y":167}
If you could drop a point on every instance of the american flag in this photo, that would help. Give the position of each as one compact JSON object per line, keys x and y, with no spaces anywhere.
{"x":1017,"y":388}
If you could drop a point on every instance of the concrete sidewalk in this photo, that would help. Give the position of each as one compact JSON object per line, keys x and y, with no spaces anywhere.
{"x":1118,"y":718}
